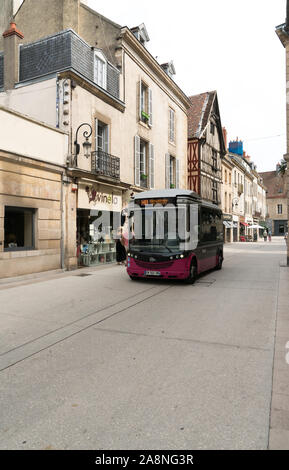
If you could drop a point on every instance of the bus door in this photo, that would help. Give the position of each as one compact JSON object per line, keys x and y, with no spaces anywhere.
{"x":209,"y":238}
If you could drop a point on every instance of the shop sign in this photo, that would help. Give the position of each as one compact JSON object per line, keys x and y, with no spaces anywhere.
{"x":227,"y":217}
{"x":96,"y":197}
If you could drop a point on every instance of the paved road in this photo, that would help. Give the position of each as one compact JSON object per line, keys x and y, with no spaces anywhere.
{"x":101,"y":362}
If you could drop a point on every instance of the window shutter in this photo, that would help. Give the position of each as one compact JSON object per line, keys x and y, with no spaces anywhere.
{"x":138,"y":101}
{"x":96,"y":134}
{"x":137,"y":159}
{"x":106,"y":139}
{"x":151,"y":166}
{"x":150,"y":107}
{"x":171,"y":125}
{"x":177,"y":174}
{"x":168,"y":171}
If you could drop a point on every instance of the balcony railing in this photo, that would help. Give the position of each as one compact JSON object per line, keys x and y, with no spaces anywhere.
{"x":105,"y":164}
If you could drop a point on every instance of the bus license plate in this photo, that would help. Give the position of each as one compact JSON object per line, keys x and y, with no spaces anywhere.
{"x":152,"y":273}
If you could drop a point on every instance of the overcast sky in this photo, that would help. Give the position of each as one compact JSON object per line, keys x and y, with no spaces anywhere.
{"x":226,"y":45}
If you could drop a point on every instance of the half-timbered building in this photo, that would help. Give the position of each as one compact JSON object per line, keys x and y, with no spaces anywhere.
{"x":206,"y":147}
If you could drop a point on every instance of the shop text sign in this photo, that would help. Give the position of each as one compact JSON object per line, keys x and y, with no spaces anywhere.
{"x":97,"y":197}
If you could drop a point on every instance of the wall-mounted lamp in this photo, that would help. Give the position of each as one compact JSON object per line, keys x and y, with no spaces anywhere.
{"x":86,"y":144}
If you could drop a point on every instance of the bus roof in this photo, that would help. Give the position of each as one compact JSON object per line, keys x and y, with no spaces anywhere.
{"x":163,"y":193}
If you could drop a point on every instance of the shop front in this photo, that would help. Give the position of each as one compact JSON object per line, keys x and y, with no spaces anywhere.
{"x":98,"y":221}
{"x":243,"y":226}
{"x":228,"y":228}
{"x":235,"y":228}
{"x":250,"y":231}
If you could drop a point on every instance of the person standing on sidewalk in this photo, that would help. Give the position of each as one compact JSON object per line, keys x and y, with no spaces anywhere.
{"x":265,"y":234}
{"x":120,"y":248}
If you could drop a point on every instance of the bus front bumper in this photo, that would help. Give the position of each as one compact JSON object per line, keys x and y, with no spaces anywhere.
{"x":177,"y":269}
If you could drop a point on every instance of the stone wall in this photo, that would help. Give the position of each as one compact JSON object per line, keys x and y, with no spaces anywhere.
{"x":26,"y":185}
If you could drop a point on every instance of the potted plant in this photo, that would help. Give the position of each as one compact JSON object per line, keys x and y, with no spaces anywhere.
{"x":144,"y":177}
{"x":145,"y":116}
{"x":172,"y":186}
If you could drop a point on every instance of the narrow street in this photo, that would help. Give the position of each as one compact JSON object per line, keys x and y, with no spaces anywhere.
{"x":91,"y":360}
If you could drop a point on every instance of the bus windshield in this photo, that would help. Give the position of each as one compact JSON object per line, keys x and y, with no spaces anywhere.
{"x":160,"y":229}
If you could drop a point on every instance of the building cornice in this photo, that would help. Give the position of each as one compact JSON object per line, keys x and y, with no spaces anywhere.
{"x":128,"y":37}
{"x":282,"y":34}
{"x":92,"y":88}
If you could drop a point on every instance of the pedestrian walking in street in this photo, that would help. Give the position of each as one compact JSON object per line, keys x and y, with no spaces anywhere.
{"x":270,"y":236}
{"x":265,"y":235}
{"x":120,"y":248}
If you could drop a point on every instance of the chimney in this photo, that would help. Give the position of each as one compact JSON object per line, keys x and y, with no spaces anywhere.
{"x":71,"y":14}
{"x":12,"y":39}
{"x":225,"y":134}
{"x":247,"y":157}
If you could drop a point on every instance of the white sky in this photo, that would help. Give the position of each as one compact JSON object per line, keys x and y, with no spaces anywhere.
{"x":226,"y":45}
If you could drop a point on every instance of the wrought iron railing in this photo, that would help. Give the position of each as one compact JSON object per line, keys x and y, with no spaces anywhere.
{"x":105,"y":164}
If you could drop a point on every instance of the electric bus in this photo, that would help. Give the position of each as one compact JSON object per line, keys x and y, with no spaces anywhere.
{"x":173,"y":234}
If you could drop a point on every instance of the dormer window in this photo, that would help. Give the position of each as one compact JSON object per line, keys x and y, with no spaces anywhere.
{"x":169,"y":68}
{"x":141,"y":34}
{"x":100,"y":69}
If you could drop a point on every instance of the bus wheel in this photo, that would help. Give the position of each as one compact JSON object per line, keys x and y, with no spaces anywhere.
{"x":220,"y":261}
{"x":193,"y":273}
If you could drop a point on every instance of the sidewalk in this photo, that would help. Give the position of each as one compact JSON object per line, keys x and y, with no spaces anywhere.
{"x":279,"y":425}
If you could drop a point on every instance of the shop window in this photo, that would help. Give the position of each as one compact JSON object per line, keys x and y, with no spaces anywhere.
{"x":19,"y":229}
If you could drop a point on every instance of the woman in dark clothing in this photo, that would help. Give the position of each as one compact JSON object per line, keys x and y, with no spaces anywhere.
{"x":120,"y":249}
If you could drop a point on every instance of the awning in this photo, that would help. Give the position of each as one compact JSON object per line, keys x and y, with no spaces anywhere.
{"x":228,"y":224}
{"x":244,"y":223}
{"x":257,"y":226}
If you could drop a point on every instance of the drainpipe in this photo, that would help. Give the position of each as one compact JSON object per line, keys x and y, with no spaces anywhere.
{"x":62,"y":261}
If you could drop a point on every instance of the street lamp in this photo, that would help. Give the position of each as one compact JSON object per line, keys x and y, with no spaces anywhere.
{"x":86,"y":144}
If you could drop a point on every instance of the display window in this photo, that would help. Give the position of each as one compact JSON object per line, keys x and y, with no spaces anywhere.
{"x":19,"y":229}
{"x":96,"y":236}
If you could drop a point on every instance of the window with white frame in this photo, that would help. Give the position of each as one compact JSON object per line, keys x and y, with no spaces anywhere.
{"x":145,"y":104}
{"x":100,"y":69}
{"x":144,"y":163}
{"x":101,"y":136}
{"x":172,"y":172}
{"x":279,"y":209}
{"x":172,"y":125}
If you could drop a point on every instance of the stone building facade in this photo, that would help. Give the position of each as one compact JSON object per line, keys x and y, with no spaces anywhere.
{"x":33,"y":196}
{"x":283,"y":34}
{"x":277,"y":217}
{"x":73,"y":69}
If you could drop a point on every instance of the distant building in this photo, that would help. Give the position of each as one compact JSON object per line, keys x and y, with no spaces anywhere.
{"x":277,"y":218}
{"x":283,"y":34}
{"x":206,"y":147}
